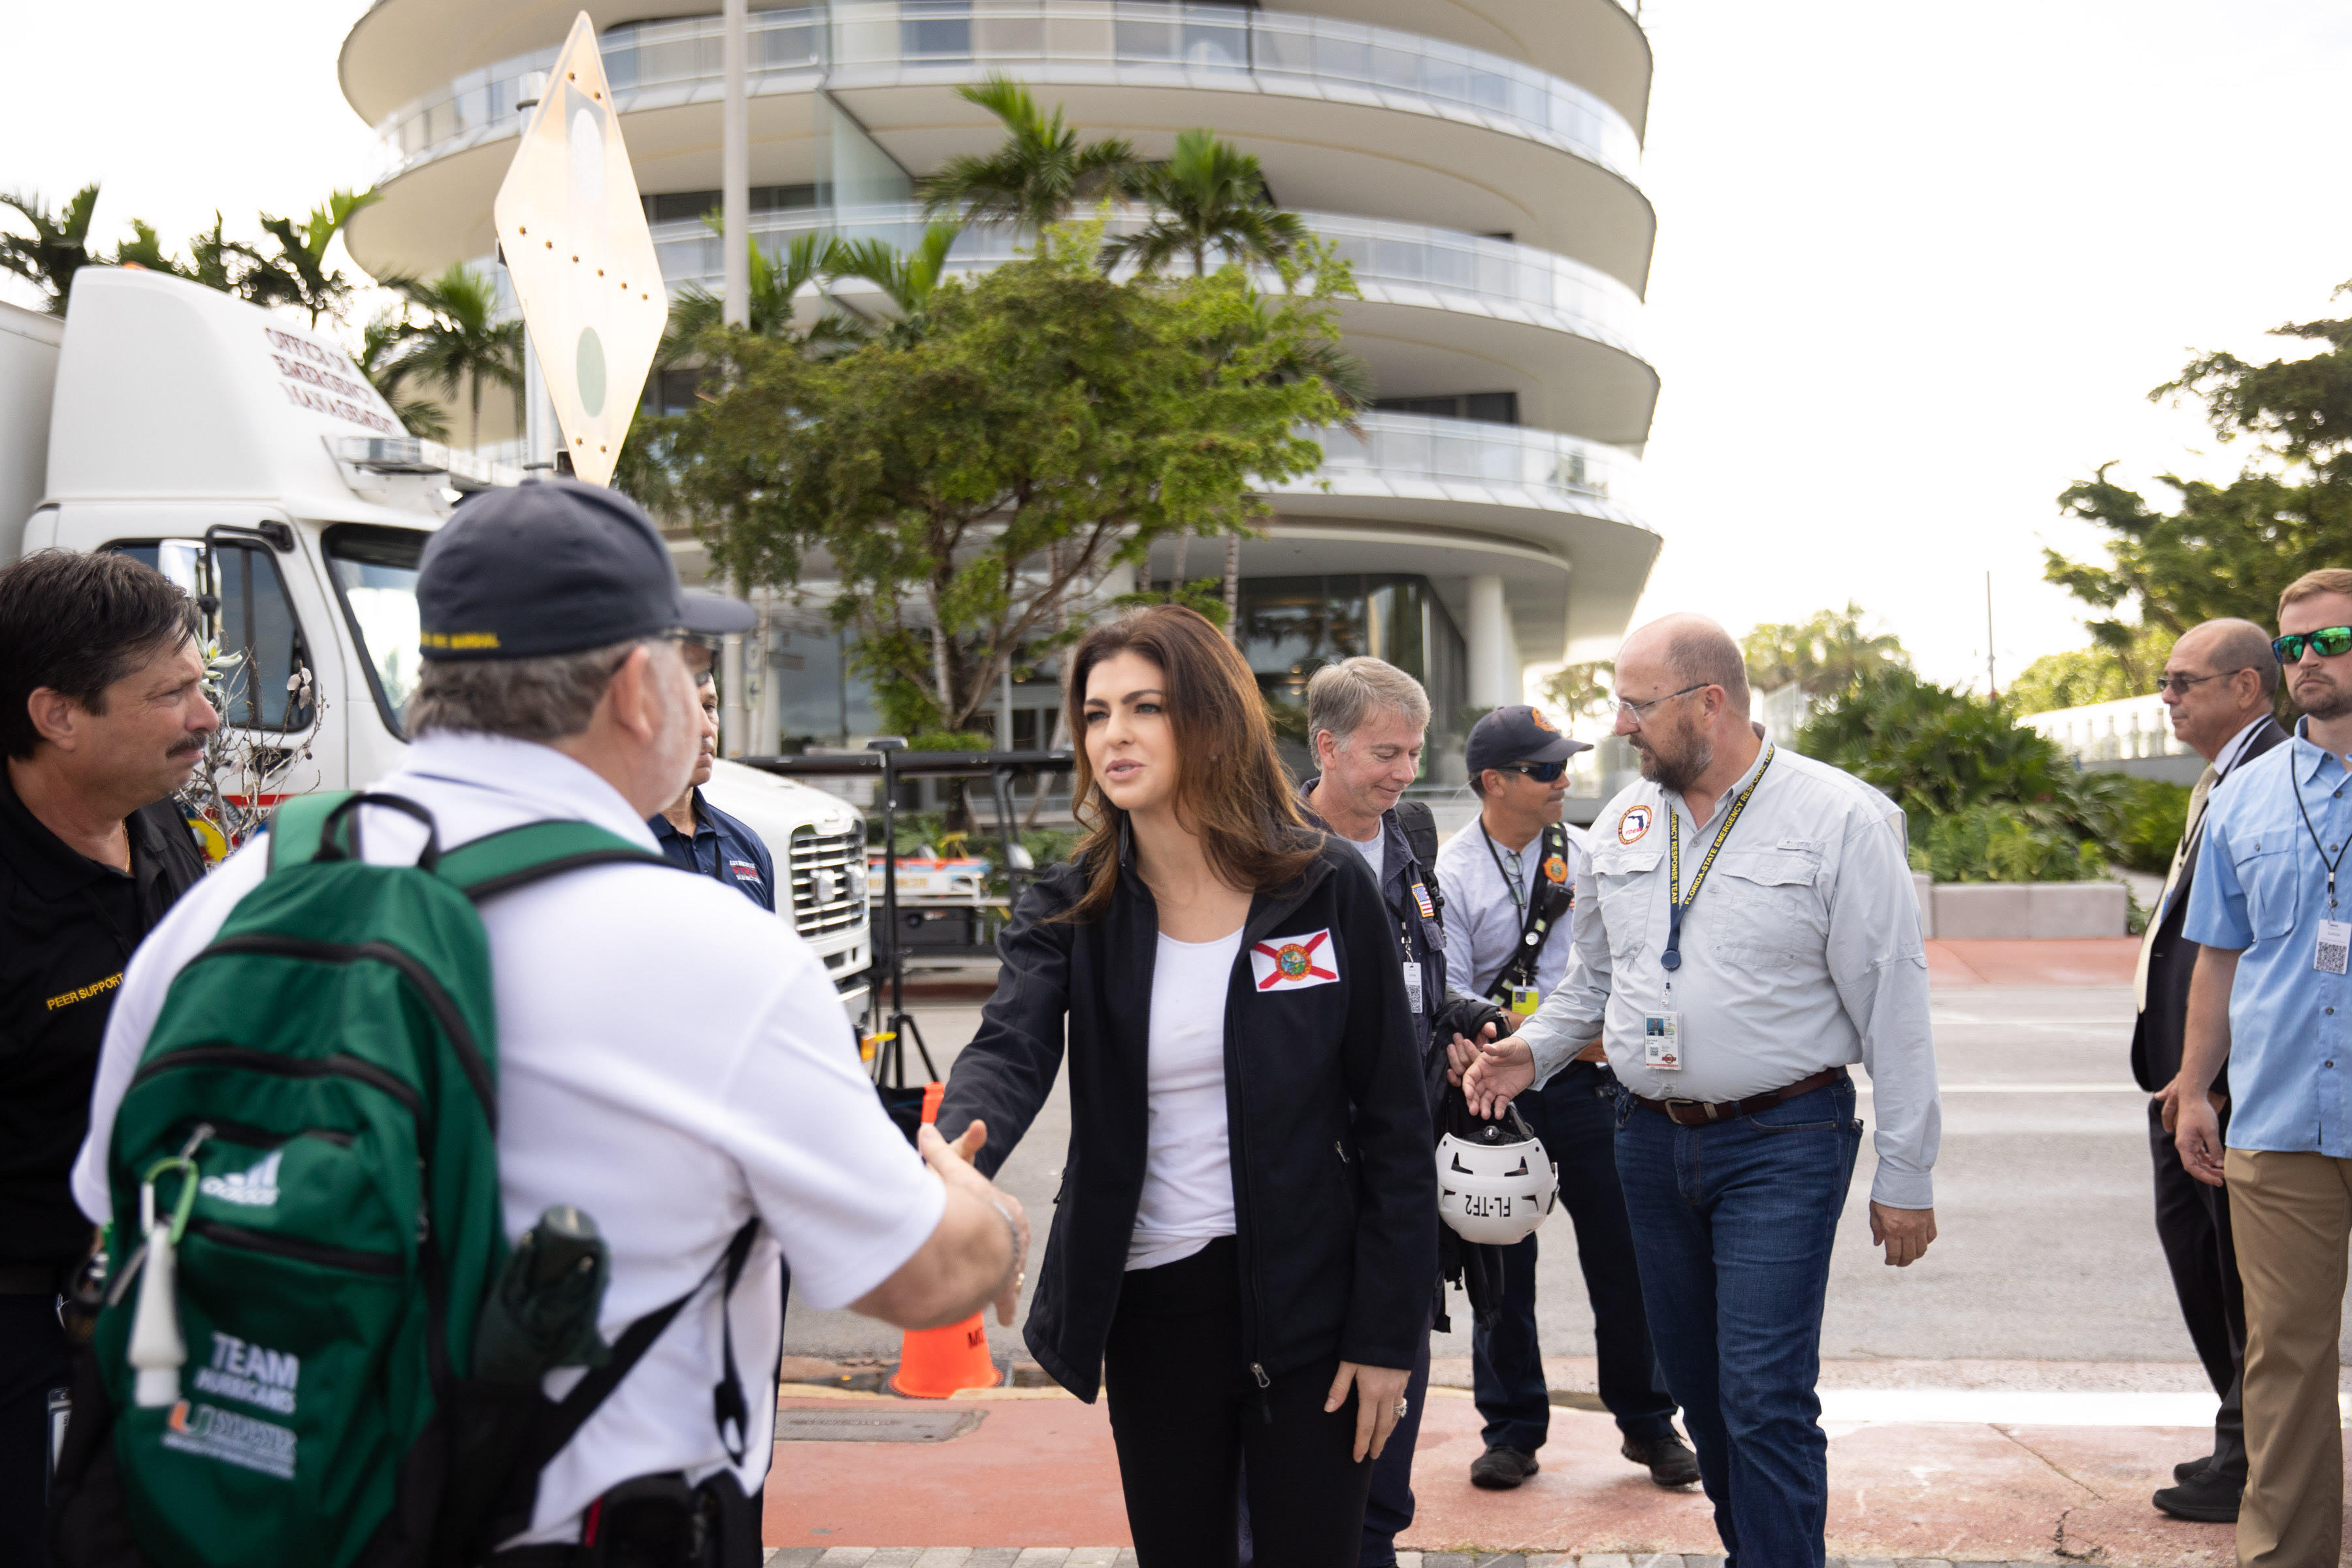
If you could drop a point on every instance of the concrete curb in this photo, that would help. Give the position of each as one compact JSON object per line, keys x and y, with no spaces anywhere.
{"x":1124,"y":1557}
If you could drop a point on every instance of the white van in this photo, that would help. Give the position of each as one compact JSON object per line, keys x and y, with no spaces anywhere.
{"x":228,"y":446}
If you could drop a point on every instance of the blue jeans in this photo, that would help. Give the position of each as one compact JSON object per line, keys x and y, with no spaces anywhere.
{"x":1574,"y":1116}
{"x":1733,"y":1224}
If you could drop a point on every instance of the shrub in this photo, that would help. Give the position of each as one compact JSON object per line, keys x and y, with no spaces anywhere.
{"x":1991,"y":842}
{"x":2149,"y":822}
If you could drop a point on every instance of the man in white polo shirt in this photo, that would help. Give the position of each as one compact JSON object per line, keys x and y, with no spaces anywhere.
{"x":559,"y":682}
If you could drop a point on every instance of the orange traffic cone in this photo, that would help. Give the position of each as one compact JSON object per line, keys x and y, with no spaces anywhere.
{"x":937,"y":1363}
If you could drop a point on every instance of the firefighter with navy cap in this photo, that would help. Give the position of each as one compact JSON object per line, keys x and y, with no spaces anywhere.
{"x":1509,"y":879}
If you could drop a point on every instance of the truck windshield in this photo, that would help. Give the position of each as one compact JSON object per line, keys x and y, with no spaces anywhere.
{"x":376,"y":577}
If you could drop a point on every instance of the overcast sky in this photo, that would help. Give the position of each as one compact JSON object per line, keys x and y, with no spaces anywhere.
{"x":1917,"y":267}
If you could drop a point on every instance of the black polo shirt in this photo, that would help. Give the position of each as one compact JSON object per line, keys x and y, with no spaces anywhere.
{"x":67,"y":924}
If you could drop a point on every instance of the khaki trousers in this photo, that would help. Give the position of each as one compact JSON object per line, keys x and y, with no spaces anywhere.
{"x":2292,"y":1215}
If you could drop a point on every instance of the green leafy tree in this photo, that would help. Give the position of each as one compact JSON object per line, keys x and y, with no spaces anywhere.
{"x":380,"y":343}
{"x":2095,"y":674}
{"x":772,"y":304}
{"x":2228,"y":548}
{"x":1035,"y":177}
{"x":57,"y":247}
{"x":1580,"y":691}
{"x":1208,"y":200}
{"x":1825,"y":653}
{"x":459,"y":346}
{"x":967,"y":483}
{"x":300,"y":271}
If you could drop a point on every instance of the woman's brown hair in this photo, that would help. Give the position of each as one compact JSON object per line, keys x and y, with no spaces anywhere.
{"x":1231,"y":788}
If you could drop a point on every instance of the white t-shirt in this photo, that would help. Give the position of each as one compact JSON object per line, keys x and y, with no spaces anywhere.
{"x":1188,"y":1178}
{"x":1374,"y":850}
{"x":671,"y":1059}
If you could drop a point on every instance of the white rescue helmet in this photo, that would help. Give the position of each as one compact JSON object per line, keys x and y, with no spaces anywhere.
{"x":1495,"y":1180}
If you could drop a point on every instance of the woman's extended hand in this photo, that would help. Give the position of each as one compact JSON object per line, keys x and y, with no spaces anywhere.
{"x":1379,"y":1391}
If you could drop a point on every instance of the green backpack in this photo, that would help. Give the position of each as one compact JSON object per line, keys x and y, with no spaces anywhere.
{"x":313,"y":1120}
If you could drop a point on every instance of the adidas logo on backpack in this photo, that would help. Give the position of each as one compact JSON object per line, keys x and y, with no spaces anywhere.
{"x":257,"y":1188}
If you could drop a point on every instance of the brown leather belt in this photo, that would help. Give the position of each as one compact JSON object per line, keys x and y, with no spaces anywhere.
{"x":1699,"y":1114}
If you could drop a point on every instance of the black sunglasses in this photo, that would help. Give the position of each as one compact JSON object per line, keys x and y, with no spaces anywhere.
{"x":1542,"y":772}
{"x":2328,"y":640}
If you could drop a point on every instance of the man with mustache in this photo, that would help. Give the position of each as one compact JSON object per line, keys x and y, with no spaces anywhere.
{"x":2271,"y":912}
{"x":1746,"y":930}
{"x":102,"y":717}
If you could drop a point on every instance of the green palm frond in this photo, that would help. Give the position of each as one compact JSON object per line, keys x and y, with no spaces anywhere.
{"x":58,"y":246}
{"x":1035,"y":177}
{"x":1208,"y":200}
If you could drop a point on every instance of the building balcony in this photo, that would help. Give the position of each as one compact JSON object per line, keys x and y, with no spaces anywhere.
{"x":1441,"y":310}
{"x":1412,"y":128}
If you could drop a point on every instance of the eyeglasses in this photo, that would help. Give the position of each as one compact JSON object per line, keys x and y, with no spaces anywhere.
{"x":2327,"y":641}
{"x":1640,"y":711}
{"x":2179,"y":685}
{"x":1542,"y":772}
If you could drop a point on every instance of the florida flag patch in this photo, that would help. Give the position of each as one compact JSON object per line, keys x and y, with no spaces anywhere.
{"x":1294,"y":962}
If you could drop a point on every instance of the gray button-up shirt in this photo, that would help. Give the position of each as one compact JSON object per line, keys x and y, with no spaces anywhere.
{"x":1482,"y":918}
{"x":1801,"y":953}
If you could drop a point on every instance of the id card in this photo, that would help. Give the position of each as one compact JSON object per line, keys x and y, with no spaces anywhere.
{"x":1662,"y":1041}
{"x":1413,"y":986}
{"x":1525,"y":1000}
{"x":2334,"y":946}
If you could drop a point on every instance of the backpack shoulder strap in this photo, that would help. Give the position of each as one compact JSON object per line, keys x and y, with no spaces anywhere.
{"x":516,"y":856}
{"x":561,"y":1422}
{"x":297,"y":825}
{"x":1419,"y":827}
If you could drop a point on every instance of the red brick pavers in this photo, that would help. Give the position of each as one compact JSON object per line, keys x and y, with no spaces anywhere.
{"x":2071,"y":960}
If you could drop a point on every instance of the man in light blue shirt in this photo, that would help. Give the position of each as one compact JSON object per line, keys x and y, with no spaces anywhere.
{"x":2271,"y":912}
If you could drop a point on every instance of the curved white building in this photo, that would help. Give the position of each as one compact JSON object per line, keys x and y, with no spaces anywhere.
{"x":1475,"y":160}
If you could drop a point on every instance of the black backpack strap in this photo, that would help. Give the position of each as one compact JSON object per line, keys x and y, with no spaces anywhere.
{"x":562,"y":1422}
{"x":1548,"y":903}
{"x":1420,"y":825}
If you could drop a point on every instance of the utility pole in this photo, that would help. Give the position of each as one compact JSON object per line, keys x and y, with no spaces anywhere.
{"x":1992,"y":688}
{"x":735,"y":305}
{"x":735,"y":170}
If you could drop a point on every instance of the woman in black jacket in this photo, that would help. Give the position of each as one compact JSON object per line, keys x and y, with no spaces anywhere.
{"x":1247,"y":1224}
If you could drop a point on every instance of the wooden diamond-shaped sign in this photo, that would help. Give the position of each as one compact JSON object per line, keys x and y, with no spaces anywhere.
{"x":573,"y":233}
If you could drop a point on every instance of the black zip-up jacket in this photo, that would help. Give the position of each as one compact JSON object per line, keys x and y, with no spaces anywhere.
{"x":1335,"y":1193}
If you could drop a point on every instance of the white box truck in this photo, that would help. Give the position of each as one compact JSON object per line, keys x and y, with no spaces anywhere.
{"x":248,"y":459}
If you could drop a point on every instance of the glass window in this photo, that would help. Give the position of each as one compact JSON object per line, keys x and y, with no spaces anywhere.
{"x":374,"y":570}
{"x":256,"y":624}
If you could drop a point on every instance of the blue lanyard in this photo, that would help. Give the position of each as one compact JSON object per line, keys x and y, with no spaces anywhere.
{"x":1676,"y":905}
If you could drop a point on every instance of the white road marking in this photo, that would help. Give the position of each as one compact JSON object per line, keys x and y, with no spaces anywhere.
{"x":1851,"y":1407}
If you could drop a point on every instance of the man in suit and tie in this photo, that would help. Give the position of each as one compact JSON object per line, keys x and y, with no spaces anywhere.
{"x":2219,"y":684}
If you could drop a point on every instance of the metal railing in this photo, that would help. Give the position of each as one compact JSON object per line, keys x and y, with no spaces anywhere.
{"x":1045,"y":42}
{"x":1505,"y":464}
{"x":1401,"y":262}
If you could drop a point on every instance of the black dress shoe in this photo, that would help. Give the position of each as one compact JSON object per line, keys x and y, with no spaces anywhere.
{"x":2187,"y":1469}
{"x":1669,"y":1459}
{"x":1500,"y":1469}
{"x":2209,"y":1497}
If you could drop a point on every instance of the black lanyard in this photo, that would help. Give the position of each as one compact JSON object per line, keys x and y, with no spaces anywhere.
{"x":1519,"y":899}
{"x":2294,"y":782}
{"x":1677,"y":905}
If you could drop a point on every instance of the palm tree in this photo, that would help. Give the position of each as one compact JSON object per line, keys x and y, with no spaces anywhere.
{"x":909,"y":277}
{"x":1208,"y":197}
{"x":59,"y":245}
{"x":298,"y":273}
{"x":774,"y":287}
{"x":380,"y":344}
{"x":1039,"y":173}
{"x":460,"y":341}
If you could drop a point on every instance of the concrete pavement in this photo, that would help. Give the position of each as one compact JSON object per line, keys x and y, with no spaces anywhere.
{"x":2016,"y":1396}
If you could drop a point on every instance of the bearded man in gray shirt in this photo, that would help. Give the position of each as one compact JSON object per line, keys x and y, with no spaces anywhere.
{"x":1745,"y":930}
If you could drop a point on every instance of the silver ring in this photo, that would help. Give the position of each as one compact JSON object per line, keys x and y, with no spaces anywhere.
{"x":1403,"y":1408}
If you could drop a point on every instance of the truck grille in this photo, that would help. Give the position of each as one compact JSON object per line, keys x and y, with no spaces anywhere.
{"x":828,"y":880}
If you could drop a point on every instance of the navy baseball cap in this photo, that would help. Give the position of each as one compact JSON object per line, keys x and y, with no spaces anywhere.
{"x":1516,"y":734}
{"x":556,"y":566}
